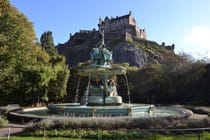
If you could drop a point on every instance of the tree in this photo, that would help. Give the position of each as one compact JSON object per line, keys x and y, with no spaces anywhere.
{"x":57,"y":88}
{"x":16,"y":39}
{"x":47,"y":43}
{"x":27,"y":72}
{"x":4,"y":5}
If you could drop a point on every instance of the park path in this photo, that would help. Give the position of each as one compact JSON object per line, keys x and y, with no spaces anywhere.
{"x":12,"y":128}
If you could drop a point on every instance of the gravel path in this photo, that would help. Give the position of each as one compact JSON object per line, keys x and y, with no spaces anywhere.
{"x":12,"y":128}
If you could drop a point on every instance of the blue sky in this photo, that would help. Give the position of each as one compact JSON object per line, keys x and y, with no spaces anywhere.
{"x":186,"y":23}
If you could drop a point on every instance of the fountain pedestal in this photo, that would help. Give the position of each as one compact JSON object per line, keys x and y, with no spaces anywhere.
{"x":99,"y":101}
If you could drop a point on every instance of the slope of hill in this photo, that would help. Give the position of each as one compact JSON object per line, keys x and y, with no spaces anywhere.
{"x":135,"y":51}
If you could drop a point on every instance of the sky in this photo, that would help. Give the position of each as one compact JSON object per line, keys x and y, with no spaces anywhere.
{"x":185,"y":23}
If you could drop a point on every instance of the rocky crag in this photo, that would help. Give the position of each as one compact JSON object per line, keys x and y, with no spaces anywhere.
{"x":128,"y":44}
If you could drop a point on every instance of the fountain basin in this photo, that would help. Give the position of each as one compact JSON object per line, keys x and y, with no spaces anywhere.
{"x":63,"y":111}
{"x":69,"y":109}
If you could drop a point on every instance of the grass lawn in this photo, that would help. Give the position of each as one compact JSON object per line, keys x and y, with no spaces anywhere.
{"x":194,"y":136}
{"x":37,"y":138}
{"x":203,"y":136}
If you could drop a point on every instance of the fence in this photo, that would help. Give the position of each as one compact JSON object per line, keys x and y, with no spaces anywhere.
{"x":190,"y":133}
{"x":183,"y":134}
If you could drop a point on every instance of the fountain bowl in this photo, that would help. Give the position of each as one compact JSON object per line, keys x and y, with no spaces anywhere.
{"x":68,"y":110}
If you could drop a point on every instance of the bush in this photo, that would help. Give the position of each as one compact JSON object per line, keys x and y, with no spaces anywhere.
{"x":105,"y":123}
{"x":3,"y":122}
{"x":92,"y":134}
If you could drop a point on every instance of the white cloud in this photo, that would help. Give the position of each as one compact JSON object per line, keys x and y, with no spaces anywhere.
{"x":199,"y":35}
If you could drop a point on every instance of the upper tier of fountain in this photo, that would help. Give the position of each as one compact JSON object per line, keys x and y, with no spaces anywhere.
{"x":101,"y":88}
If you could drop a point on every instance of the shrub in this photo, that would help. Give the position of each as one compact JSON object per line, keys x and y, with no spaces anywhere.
{"x":3,"y":122}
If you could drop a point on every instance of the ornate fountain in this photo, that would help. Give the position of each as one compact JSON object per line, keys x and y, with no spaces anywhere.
{"x":101,"y":96}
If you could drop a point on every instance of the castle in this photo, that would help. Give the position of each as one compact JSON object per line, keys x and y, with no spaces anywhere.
{"x":123,"y":27}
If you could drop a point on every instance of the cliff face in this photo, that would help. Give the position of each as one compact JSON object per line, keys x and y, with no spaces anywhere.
{"x":136,"y":52}
{"x":75,"y":54}
{"x":125,"y":52}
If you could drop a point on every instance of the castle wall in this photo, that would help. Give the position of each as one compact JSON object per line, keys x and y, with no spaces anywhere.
{"x":112,"y":35}
{"x":114,"y":24}
{"x":117,"y":24}
{"x":132,"y":20}
{"x":122,"y":25}
{"x":107,"y":26}
{"x":130,"y":29}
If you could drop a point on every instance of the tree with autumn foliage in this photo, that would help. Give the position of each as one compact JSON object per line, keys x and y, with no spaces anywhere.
{"x":28,"y":74}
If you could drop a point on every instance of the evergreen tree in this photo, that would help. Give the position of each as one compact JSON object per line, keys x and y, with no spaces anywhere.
{"x":47,"y":43}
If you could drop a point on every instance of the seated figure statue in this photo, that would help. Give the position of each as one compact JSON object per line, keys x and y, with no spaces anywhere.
{"x":96,"y":88}
{"x":112,"y":90}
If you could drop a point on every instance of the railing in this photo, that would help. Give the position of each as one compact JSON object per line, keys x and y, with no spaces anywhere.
{"x":184,"y":132}
{"x":9,"y":131}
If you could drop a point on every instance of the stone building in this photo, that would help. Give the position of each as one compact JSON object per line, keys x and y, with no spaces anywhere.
{"x":120,"y":26}
{"x":123,"y":27}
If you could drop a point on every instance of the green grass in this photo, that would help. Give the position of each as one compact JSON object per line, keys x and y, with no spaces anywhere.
{"x":123,"y":134}
{"x":194,"y":136}
{"x":37,"y":138}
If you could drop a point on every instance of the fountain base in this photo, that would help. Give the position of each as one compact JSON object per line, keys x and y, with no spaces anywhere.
{"x":102,"y":101}
{"x":78,"y":110}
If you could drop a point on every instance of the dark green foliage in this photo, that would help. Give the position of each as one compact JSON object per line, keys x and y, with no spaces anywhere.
{"x":57,"y":87}
{"x":145,"y":82}
{"x":177,"y":80}
{"x":47,"y":43}
{"x":72,"y":86}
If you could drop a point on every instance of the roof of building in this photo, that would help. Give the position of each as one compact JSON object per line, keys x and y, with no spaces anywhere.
{"x":117,"y":18}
